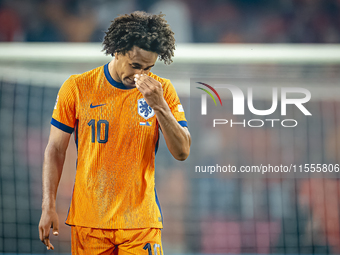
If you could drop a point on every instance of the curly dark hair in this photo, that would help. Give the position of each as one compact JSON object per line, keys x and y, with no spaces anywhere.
{"x":146,"y":31}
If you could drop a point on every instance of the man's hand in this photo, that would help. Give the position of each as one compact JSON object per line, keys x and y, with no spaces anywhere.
{"x":177,"y":138}
{"x":48,"y":218}
{"x":151,"y":90}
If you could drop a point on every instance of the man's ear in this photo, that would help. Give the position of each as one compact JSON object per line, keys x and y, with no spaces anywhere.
{"x":116,"y":55}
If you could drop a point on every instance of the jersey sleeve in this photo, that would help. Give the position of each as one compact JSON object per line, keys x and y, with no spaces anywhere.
{"x":171,"y":97}
{"x":64,"y":113}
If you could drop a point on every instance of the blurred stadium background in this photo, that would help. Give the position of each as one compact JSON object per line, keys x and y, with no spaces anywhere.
{"x":45,"y":41}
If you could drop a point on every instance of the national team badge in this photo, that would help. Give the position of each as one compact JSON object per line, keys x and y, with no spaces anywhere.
{"x":144,"y":109}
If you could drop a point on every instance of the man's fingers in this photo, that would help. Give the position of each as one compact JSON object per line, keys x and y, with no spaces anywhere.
{"x":45,"y":235}
{"x":55,"y":233}
{"x":41,"y":234}
{"x":48,"y":220}
{"x":48,"y":244}
{"x":145,"y":84}
{"x":55,"y":228}
{"x":46,"y":241}
{"x":141,"y":89}
{"x":142,"y":85}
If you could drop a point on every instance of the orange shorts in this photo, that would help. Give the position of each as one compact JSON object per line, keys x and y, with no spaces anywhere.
{"x":116,"y":241}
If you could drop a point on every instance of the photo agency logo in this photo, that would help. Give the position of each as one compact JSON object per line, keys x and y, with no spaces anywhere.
{"x":238,"y":105}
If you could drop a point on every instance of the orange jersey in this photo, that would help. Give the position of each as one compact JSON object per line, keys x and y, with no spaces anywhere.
{"x":117,"y":136}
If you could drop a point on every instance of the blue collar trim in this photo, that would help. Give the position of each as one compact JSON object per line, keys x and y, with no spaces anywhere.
{"x":111,"y":80}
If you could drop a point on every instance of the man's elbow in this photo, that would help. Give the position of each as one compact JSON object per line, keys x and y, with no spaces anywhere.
{"x":184,"y":152}
{"x":182,"y":156}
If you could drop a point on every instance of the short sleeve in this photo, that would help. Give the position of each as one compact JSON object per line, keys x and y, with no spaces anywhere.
{"x":64,"y":113}
{"x":171,"y":97}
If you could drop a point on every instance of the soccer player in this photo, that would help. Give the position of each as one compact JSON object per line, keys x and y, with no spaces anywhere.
{"x":116,"y":112}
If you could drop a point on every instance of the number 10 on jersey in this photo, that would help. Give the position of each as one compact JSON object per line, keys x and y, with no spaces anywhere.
{"x":99,"y":124}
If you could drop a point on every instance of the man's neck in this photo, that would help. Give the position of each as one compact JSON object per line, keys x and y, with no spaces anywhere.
{"x":113,"y":72}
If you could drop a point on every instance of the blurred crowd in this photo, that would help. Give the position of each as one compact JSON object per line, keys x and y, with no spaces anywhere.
{"x":225,"y":21}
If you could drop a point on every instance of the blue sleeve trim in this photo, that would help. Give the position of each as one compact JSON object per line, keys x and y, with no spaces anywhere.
{"x":183,"y":123}
{"x":62,"y":126}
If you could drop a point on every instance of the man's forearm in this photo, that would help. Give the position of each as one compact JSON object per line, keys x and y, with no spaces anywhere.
{"x":176,"y":137}
{"x":52,"y":169}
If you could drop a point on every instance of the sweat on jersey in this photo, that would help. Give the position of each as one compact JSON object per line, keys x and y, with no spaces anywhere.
{"x":117,"y":137}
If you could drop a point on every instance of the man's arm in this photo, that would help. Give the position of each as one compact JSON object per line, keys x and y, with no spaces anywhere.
{"x":177,"y":138}
{"x":52,"y":168}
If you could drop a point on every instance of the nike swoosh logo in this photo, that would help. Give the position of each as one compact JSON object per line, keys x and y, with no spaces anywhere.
{"x":94,"y":106}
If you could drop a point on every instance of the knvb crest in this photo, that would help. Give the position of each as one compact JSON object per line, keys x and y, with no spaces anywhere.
{"x":144,"y":109}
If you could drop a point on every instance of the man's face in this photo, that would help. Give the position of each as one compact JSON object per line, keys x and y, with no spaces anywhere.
{"x":135,"y":61}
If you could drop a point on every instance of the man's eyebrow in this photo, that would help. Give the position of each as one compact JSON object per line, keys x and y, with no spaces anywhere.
{"x":137,"y":64}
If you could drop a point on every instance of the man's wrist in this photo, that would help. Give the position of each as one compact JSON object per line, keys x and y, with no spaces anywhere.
{"x":48,"y":206}
{"x":163,"y":107}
